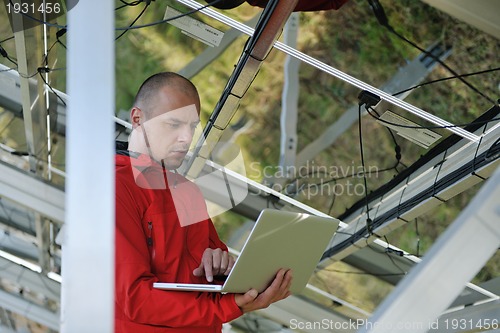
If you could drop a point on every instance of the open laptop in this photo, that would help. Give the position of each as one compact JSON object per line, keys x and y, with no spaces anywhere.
{"x":279,"y":239}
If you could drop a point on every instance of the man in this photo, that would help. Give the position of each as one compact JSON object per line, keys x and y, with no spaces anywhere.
{"x":163,"y":232}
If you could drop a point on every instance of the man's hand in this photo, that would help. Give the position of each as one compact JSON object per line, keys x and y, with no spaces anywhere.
{"x":278,"y":290}
{"x":214,"y":262}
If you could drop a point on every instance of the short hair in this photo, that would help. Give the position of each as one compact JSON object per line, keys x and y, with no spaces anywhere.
{"x":155,"y":82}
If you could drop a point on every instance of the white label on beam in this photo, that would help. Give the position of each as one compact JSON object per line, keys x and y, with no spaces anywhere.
{"x":194,"y":28}
{"x":421,"y":136}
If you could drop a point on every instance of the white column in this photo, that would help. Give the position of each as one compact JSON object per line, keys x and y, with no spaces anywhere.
{"x":88,"y":245}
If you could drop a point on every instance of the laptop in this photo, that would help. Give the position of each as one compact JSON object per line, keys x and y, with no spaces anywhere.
{"x":279,"y":239}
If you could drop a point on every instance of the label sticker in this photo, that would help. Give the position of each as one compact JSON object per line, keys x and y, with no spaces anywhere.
{"x":421,"y":136}
{"x":194,"y":28}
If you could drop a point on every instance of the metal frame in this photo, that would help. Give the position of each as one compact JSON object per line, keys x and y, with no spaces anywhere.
{"x":452,"y":261}
{"x":89,"y":224}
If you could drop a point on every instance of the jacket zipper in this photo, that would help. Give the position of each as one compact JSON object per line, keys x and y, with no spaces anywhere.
{"x":149,"y":240}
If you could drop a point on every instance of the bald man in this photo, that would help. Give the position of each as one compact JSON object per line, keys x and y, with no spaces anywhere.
{"x":153,"y":241}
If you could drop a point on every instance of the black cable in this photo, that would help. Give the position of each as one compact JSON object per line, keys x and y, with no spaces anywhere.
{"x":169,"y":19}
{"x":442,"y":63}
{"x":46,"y":70}
{"x":6,"y":39}
{"x":59,"y":34}
{"x":389,"y":250}
{"x":397,"y":147}
{"x":494,"y":151}
{"x":134,"y":3}
{"x":135,"y":20}
{"x":128,"y":4}
{"x":4,"y":54}
{"x":445,"y":79}
{"x":383,"y":20}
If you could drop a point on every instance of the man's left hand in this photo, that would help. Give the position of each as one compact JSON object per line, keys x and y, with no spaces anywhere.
{"x":214,"y":262}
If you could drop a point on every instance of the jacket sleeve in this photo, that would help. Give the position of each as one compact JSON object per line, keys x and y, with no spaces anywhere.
{"x":135,"y":296}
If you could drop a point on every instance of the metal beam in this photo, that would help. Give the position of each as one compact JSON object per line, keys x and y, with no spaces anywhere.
{"x":10,"y":97}
{"x":29,"y":279}
{"x":88,"y":240}
{"x":5,"y":329}
{"x":34,"y":111}
{"x":29,"y":310}
{"x":451,"y":262}
{"x":24,"y":189}
{"x":42,"y":226}
{"x":18,"y":246}
{"x":290,"y":97}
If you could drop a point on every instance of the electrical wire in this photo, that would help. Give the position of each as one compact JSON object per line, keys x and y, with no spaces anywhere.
{"x":135,"y":20}
{"x":59,"y":34}
{"x":442,"y":63}
{"x":334,"y":196}
{"x":6,"y":39}
{"x":384,"y":21}
{"x":43,"y":69}
{"x":4,"y":54}
{"x":135,"y":3}
{"x":389,"y":250}
{"x":128,"y":4}
{"x":445,"y":79}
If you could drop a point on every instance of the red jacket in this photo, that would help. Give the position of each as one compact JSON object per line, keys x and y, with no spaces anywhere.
{"x":152,"y":246}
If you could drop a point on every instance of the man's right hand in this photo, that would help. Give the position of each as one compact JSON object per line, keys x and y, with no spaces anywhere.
{"x":278,"y":290}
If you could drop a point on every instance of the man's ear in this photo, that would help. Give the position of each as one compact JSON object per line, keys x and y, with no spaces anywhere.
{"x":136,"y":117}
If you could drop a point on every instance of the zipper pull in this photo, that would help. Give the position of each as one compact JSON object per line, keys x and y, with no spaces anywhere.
{"x":149,"y":239}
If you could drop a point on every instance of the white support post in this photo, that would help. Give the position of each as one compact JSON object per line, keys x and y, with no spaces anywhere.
{"x":290,"y":98}
{"x":87,"y":303}
{"x":453,"y":260}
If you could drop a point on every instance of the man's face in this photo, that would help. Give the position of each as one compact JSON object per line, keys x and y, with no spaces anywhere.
{"x":170,"y":130}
